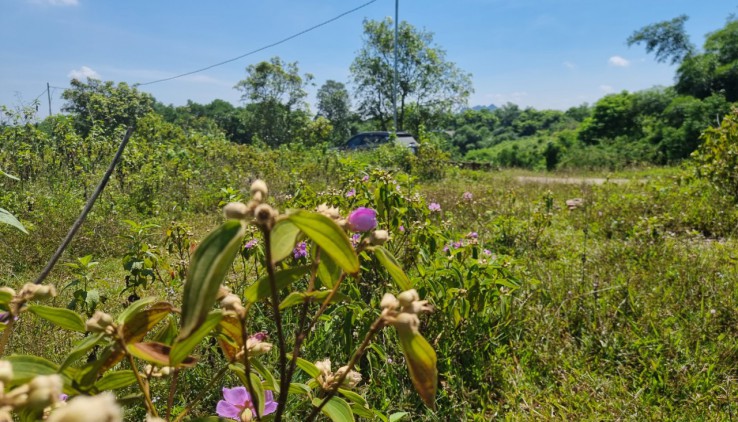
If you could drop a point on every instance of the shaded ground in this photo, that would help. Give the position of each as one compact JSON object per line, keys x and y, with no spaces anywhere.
{"x":570,"y":180}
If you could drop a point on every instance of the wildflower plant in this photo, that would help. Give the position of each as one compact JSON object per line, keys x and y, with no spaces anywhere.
{"x":308,"y":256}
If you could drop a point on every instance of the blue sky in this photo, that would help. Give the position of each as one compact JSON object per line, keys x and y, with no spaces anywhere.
{"x":539,"y":53}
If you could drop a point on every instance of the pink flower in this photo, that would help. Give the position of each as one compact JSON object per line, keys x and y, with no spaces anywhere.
{"x":351,"y":193}
{"x":365,"y":178}
{"x":238,"y":399}
{"x":402,"y":229}
{"x":362,"y":219}
{"x":468,"y":196}
{"x":434,"y":207}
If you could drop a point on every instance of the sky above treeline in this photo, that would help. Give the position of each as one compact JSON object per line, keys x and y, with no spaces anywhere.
{"x":546,"y":54}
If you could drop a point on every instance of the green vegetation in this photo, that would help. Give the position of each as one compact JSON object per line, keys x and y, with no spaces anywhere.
{"x":579,"y":300}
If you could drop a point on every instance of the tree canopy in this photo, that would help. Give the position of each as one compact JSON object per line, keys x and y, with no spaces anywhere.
{"x":425,"y":78}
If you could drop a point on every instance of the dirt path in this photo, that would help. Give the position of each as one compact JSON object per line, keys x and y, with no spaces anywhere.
{"x":571,"y":180}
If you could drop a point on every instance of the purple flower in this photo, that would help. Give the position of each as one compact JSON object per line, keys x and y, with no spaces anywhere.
{"x":63,"y":397}
{"x":355,"y":238}
{"x":365,"y":178}
{"x":472,"y":235}
{"x":351,"y":193}
{"x":362,"y":219}
{"x":458,"y":244}
{"x":445,"y":248}
{"x":487,"y":252}
{"x":251,"y":243}
{"x":238,"y":399}
{"x":468,"y":196}
{"x":402,"y":229}
{"x":434,"y":207}
{"x":260,"y":336}
{"x":300,"y":250}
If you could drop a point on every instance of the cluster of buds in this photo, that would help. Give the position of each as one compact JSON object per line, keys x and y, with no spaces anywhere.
{"x":263,"y":214}
{"x":256,"y":345}
{"x":402,"y":311}
{"x":39,"y":393}
{"x":230,"y":302}
{"x":157,"y":372}
{"x":328,"y":379}
{"x":101,"y":323}
{"x":99,"y":408}
{"x":29,"y":291}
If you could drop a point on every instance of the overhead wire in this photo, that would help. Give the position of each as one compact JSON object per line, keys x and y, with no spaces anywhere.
{"x":274,"y":44}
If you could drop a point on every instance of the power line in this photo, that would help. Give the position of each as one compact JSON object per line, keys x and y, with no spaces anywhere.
{"x":282,"y":41}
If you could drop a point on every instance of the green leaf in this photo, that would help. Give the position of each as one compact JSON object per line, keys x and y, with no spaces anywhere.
{"x":64,"y":318}
{"x":393,"y":268}
{"x":421,"y":362}
{"x":328,"y":271}
{"x":156,"y":353}
{"x":295,"y":298}
{"x":116,"y":380}
{"x":308,"y":367}
{"x":140,"y":323}
{"x":259,"y":390}
{"x":26,"y":367}
{"x":283,"y":238}
{"x":168,"y":332}
{"x":336,"y":409}
{"x":298,"y":388}
{"x":397,"y":416}
{"x":82,"y":348}
{"x":8,"y":218}
{"x":183,"y":346}
{"x":133,"y":308}
{"x":8,"y":175}
{"x":5,"y":297}
{"x":265,"y":373}
{"x":262,"y":289}
{"x":329,"y":237}
{"x":210,"y":264}
{"x":354,"y":397}
{"x":362,"y":411}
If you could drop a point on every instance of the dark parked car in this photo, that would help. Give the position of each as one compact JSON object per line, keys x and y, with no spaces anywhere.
{"x":368,"y":140}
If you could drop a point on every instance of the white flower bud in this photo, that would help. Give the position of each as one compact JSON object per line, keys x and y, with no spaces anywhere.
{"x":236,"y":211}
{"x":389,"y":301}
{"x":407,"y":297}
{"x":100,"y":408}
{"x":324,"y":366}
{"x":352,"y":378}
{"x":264,"y":215}
{"x":260,"y":187}
{"x":330,"y":212}
{"x":6,"y":371}
{"x":379,"y":237}
{"x":44,"y":390}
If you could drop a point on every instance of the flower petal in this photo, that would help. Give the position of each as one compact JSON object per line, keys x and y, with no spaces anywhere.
{"x":270,"y":406}
{"x":237,"y":396}
{"x":227,"y":410}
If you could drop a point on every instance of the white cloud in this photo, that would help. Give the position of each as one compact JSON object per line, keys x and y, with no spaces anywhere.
{"x":83,"y":73}
{"x":618,"y":61}
{"x":607,"y":89}
{"x":57,"y":2}
{"x":569,"y":65}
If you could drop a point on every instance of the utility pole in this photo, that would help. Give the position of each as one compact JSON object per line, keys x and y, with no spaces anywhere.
{"x":48,"y":95}
{"x":394,"y":81}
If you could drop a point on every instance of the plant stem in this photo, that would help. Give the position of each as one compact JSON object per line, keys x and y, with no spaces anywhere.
{"x":247,"y":368}
{"x":202,"y":394}
{"x":144,"y":387}
{"x":301,"y":330}
{"x":283,"y":381}
{"x":376,"y":326}
{"x":172,"y":389}
{"x":6,"y":334}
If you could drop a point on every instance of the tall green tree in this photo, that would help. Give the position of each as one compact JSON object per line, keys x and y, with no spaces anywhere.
{"x":104,"y":105}
{"x":668,"y":39}
{"x":426,"y":79}
{"x":334,"y":104}
{"x":275,"y":93}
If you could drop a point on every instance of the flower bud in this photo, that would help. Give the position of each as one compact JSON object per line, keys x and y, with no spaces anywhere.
{"x":330,"y":212}
{"x":6,"y":371}
{"x":264,"y":215}
{"x":100,"y":408}
{"x":324,"y":366}
{"x":389,"y":301}
{"x":247,"y":415}
{"x":100,"y":323}
{"x":44,"y":390}
{"x":379,"y":237}
{"x":362,"y":219}
{"x":236,"y":211}
{"x":407,"y":298}
{"x":352,"y":378}
{"x":259,"y":186}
